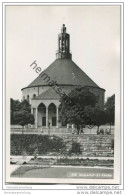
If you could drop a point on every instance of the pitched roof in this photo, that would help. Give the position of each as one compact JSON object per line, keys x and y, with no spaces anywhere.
{"x":51,"y":94}
{"x":64,"y":72}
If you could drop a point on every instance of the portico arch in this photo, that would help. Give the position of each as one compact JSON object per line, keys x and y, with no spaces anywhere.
{"x":41,"y":115}
{"x":52,"y":114}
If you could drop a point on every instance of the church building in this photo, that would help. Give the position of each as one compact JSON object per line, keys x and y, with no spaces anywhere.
{"x":60,"y":77}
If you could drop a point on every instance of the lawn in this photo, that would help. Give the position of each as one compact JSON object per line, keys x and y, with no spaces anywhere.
{"x":63,"y":172}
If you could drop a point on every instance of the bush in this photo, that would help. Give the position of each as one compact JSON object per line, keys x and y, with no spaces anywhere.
{"x":75,"y":148}
{"x":31,"y":143}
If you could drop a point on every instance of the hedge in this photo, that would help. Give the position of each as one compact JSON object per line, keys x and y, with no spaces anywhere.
{"x":31,"y":144}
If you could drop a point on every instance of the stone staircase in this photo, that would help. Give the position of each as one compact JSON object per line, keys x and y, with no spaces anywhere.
{"x":92,"y":145}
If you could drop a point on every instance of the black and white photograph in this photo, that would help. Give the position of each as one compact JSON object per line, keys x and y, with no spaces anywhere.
{"x":63,"y":67}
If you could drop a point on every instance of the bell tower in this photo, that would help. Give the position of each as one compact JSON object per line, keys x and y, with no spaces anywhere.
{"x":63,"y":44}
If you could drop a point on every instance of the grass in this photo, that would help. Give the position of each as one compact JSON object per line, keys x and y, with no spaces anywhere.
{"x":23,"y":169}
{"x":41,"y":163}
{"x":63,"y":172}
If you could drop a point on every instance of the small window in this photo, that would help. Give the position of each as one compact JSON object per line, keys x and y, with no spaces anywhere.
{"x":34,"y":95}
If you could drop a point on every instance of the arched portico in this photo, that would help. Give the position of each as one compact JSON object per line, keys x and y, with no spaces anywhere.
{"x":41,"y":115}
{"x":45,"y":113}
{"x":52,"y":115}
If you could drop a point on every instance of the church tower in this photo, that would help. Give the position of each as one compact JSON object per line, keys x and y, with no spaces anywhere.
{"x":63,"y":44}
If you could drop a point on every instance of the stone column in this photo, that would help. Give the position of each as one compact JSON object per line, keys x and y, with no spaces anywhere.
{"x":57,"y":117}
{"x":47,"y":119}
{"x":36,"y":118}
{"x":32,"y":111}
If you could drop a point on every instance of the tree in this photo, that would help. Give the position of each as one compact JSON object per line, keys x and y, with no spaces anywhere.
{"x":14,"y":106}
{"x":110,"y":109}
{"x":77,"y":105}
{"x":25,"y":106}
{"x":20,"y":113}
{"x":23,"y":118}
{"x":99,"y":116}
{"x":82,"y":97}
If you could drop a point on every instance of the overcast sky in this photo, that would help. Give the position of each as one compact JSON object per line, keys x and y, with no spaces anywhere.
{"x":32,"y":32}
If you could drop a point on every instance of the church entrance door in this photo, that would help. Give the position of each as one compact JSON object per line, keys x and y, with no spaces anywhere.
{"x":52,"y":114}
{"x":53,"y":121}
{"x":43,"y":121}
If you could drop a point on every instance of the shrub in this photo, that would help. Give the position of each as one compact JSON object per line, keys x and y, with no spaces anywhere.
{"x":31,"y":143}
{"x":75,"y":148}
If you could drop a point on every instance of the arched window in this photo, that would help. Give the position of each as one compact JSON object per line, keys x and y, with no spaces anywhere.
{"x":52,"y":106}
{"x":42,"y":107}
{"x":34,"y":95}
{"x":42,"y":113}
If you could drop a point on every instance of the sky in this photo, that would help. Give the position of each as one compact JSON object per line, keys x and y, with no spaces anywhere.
{"x":32,"y":34}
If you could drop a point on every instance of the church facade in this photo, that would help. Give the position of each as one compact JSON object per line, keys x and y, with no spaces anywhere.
{"x":60,"y":77}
